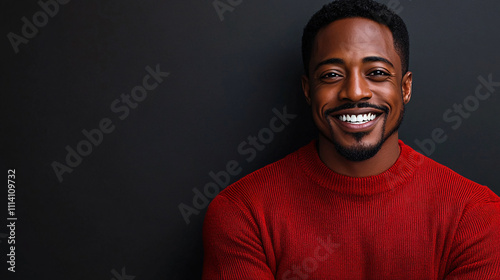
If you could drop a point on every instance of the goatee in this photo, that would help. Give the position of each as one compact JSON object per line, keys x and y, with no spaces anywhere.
{"x":362,"y":152}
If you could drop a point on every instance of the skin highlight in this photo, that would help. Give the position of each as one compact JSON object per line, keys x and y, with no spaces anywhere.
{"x":354,"y":69}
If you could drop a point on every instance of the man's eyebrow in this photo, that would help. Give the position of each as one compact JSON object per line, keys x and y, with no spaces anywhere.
{"x":375,"y":59}
{"x":330,"y":61}
{"x":342,"y":62}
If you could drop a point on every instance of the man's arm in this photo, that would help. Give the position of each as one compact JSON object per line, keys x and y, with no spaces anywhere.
{"x":475,"y":252}
{"x":232,"y":244}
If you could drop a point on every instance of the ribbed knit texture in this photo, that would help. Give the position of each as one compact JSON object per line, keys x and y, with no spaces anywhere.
{"x":297,"y":219}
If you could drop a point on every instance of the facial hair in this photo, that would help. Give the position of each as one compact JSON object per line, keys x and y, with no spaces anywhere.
{"x":362,"y":152}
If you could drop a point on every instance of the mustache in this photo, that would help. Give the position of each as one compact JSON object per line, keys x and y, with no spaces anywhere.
{"x":356,"y":105}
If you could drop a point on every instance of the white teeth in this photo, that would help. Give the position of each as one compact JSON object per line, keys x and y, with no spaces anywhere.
{"x":357,"y":119}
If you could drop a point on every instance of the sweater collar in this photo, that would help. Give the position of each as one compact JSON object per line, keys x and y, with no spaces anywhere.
{"x":388,"y":180}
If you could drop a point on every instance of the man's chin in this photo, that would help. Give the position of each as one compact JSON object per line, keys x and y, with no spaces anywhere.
{"x":358,"y":152}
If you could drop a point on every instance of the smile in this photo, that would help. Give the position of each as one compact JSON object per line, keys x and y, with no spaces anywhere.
{"x":357,"y":119}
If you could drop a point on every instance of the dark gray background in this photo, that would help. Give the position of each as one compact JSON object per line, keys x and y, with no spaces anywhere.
{"x":119,"y":207}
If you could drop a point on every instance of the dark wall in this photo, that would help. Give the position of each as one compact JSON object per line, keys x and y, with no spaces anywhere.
{"x":105,"y":158}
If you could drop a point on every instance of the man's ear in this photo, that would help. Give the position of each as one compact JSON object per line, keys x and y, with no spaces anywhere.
{"x":305,"y":88}
{"x":406,"y":86}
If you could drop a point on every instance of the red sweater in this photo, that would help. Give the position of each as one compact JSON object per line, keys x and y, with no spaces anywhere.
{"x":297,"y":219}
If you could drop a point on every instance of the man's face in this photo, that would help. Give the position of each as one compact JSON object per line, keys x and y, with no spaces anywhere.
{"x":355,"y":86}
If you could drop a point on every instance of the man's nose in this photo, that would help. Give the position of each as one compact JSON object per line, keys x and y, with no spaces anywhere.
{"x":355,"y":89}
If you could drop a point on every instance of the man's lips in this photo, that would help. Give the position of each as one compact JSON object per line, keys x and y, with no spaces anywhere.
{"x":356,"y":122}
{"x":357,"y":115}
{"x":352,"y":118}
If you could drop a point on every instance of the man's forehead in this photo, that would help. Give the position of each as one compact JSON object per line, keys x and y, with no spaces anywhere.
{"x":354,"y":36}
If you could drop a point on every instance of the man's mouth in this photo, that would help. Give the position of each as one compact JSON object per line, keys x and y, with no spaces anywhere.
{"x":353,"y":118}
{"x":357,"y":119}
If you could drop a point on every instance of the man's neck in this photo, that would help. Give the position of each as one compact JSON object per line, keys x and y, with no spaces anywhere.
{"x":383,"y":160}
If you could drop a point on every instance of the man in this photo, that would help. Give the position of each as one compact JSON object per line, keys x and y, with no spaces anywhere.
{"x":357,"y":203}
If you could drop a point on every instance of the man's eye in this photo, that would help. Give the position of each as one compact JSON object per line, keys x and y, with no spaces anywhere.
{"x":379,"y":73}
{"x":330,"y":75}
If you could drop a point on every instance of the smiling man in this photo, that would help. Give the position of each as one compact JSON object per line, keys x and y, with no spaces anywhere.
{"x":357,"y":203}
{"x":357,"y":89}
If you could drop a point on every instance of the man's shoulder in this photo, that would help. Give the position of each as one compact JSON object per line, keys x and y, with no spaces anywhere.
{"x":270,"y":179}
{"x":271,"y":173}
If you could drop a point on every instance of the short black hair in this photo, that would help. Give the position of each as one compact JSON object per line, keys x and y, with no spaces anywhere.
{"x":368,"y":9}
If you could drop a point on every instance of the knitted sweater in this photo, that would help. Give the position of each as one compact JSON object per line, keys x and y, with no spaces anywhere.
{"x":297,"y":219}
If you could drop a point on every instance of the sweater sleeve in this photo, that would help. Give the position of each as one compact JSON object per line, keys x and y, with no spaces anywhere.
{"x":232,"y":246}
{"x":475,"y":252}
